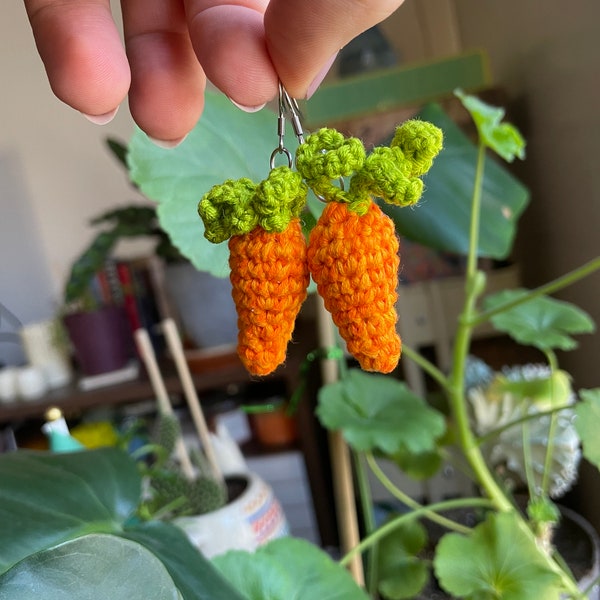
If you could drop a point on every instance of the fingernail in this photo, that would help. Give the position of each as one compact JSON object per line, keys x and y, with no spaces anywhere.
{"x":248,"y":109}
{"x":167,"y":144}
{"x":101,"y":119}
{"x":316,"y":82}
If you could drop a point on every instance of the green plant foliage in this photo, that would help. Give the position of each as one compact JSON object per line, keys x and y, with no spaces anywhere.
{"x":586,"y":424}
{"x":503,"y":138}
{"x":420,"y":465}
{"x":94,"y":567}
{"x":226,"y":144}
{"x":542,"y":322}
{"x":498,"y":561}
{"x":401,"y":573}
{"x":195,"y":577}
{"x":441,"y":220}
{"x":47,"y":498}
{"x":287,"y":569}
{"x":376,"y":412}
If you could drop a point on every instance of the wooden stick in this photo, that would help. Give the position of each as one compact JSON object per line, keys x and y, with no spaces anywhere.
{"x":189,"y":390}
{"x":146,"y":351}
{"x":343,"y":484}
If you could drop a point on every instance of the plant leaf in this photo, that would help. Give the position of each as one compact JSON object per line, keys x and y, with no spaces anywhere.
{"x":542,"y":322}
{"x":502,"y":138}
{"x":376,"y":412}
{"x":587,"y":424}
{"x":93,"y":567}
{"x":47,"y":498}
{"x":195,"y":576}
{"x":419,"y":466}
{"x":499,"y":560}
{"x":226,"y":144}
{"x":401,"y":573}
{"x":288,"y":569}
{"x":441,"y":219}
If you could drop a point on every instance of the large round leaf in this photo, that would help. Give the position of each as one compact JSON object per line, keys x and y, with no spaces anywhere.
{"x":226,"y":144}
{"x":288,"y":569}
{"x":499,"y":560}
{"x":93,"y":567}
{"x":375,"y":412}
{"x":195,"y":576}
{"x":47,"y":498}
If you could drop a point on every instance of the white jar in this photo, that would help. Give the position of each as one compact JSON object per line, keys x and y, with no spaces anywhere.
{"x":31,"y":383}
{"x":8,"y":385}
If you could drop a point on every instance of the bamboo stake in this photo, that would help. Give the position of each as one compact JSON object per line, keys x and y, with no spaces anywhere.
{"x":146,"y":351}
{"x":189,"y":390}
{"x":343,"y":484}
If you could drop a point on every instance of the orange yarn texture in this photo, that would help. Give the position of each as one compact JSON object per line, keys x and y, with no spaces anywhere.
{"x":269,"y":276}
{"x":354,"y":261}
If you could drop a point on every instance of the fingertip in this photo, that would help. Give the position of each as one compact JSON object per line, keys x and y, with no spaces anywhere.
{"x":230,"y":44}
{"x":83,"y":56}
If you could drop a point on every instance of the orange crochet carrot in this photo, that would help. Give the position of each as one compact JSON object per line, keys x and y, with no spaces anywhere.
{"x":354,"y":261}
{"x":353,"y":249}
{"x":267,"y":259}
{"x":269,"y":278}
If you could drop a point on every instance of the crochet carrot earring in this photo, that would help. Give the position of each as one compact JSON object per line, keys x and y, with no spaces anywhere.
{"x":267,"y":258}
{"x":353,"y":249}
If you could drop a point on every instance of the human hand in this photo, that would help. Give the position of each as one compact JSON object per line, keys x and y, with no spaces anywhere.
{"x":244,"y":47}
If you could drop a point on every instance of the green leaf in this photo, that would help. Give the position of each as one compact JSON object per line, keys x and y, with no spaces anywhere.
{"x":195,"y":576}
{"x":441,"y":219}
{"x":502,"y":138}
{"x":226,"y":144}
{"x":93,"y":567}
{"x":499,"y":560}
{"x":419,"y":466}
{"x":288,"y":569}
{"x":542,"y":322}
{"x":587,"y":424}
{"x":377,"y":412}
{"x":47,"y":498}
{"x":401,"y":573}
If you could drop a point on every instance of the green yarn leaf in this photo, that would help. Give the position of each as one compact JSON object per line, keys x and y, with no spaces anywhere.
{"x":226,"y":144}
{"x":441,"y":219}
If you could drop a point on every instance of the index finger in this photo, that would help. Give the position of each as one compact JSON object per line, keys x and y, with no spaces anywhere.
{"x":80,"y":47}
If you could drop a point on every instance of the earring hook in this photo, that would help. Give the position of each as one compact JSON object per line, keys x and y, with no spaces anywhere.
{"x":286,"y":106}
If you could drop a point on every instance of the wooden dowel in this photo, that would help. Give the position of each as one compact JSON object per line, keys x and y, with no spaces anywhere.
{"x":343,"y":484}
{"x":176,"y":348}
{"x":146,"y":351}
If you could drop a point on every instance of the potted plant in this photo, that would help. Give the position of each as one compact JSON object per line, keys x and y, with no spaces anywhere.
{"x":501,"y":551}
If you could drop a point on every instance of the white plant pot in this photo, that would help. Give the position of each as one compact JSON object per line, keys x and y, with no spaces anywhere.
{"x":247,"y":522}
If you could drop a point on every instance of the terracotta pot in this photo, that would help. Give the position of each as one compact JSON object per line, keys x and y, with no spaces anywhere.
{"x":252,"y":519}
{"x":270,"y":423}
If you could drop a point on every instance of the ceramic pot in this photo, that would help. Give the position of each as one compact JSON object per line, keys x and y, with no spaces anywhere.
{"x":101,"y":339}
{"x":252,"y":519}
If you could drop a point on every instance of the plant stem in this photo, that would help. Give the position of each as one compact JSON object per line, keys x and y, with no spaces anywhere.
{"x":408,"y":501}
{"x":549,"y":288}
{"x":386,"y":529}
{"x":427,"y":366}
{"x":552,"y":428}
{"x":462,"y":343}
{"x":529,"y":476}
{"x":528,"y":417}
{"x":366,"y":503}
